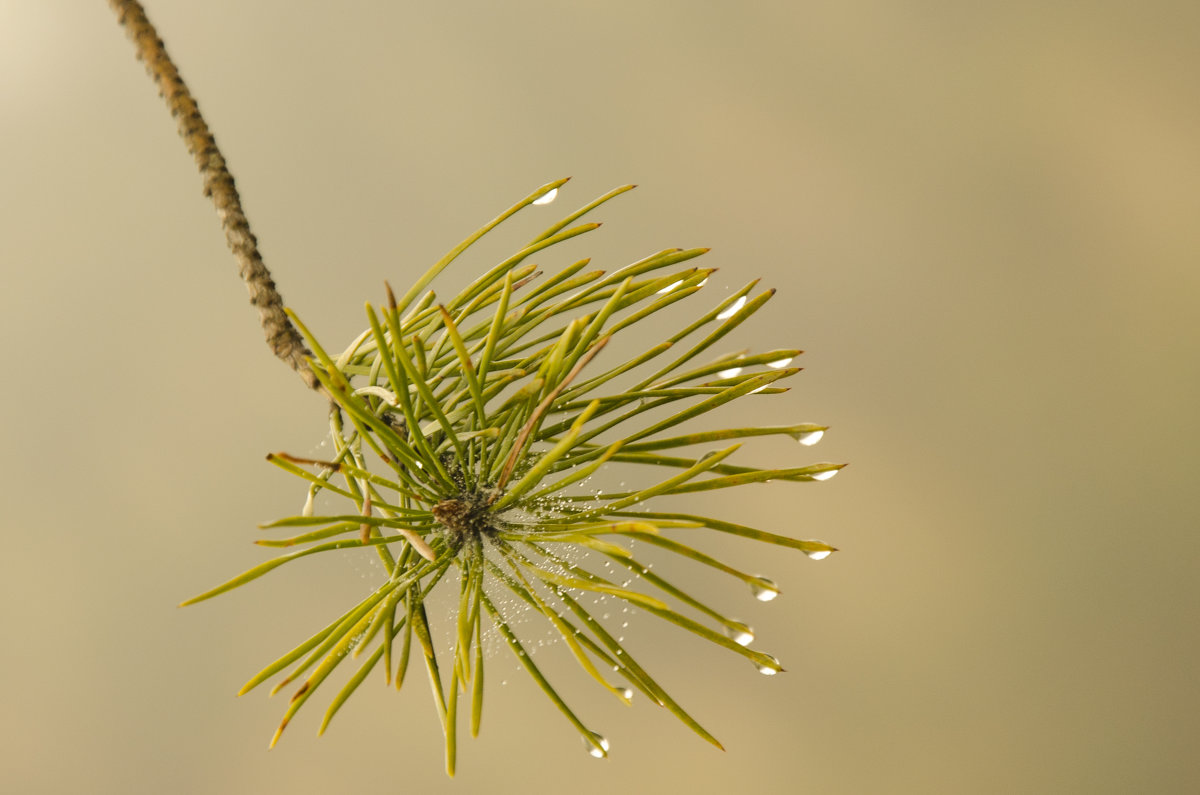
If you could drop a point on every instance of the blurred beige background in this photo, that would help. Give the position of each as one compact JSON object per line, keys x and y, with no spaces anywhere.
{"x":982,"y":220}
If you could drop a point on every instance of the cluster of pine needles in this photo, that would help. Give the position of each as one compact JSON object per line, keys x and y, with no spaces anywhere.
{"x":464,"y":430}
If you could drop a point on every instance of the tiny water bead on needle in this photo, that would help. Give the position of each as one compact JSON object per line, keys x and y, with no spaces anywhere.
{"x":810,"y":438}
{"x":741,"y":633}
{"x":596,"y":745}
{"x":769,"y":668}
{"x":465,"y":429}
{"x":764,"y":590}
{"x":733,"y":309}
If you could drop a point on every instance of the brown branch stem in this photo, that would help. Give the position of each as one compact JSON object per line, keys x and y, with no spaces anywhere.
{"x":282,"y":337}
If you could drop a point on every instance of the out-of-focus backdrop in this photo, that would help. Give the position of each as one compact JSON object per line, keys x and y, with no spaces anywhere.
{"x":982,"y":221}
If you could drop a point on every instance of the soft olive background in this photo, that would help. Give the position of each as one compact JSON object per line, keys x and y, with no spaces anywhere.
{"x":982,"y":221}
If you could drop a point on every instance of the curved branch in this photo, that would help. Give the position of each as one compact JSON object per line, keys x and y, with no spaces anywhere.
{"x":282,"y":336}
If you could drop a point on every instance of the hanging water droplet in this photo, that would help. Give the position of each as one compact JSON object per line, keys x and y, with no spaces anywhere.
{"x":780,"y":363}
{"x":810,"y":438}
{"x":768,"y":670}
{"x":732,"y":372}
{"x":669,"y":287}
{"x":626,"y":693}
{"x":741,"y":633}
{"x":733,"y":309}
{"x":547,"y":197}
{"x":764,"y":590}
{"x":818,"y":554}
{"x":826,"y":475}
{"x":308,"y":504}
{"x":597,"y":746}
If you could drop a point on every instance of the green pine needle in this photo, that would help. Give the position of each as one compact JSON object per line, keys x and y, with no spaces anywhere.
{"x":464,"y":429}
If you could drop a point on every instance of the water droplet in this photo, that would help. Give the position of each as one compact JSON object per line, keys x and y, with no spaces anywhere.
{"x":627,"y":693}
{"x":818,"y":554}
{"x":768,"y":670}
{"x":597,"y":746}
{"x":732,"y":372}
{"x":826,"y":475}
{"x":733,"y":309}
{"x":810,"y":438}
{"x":761,"y":388}
{"x":703,"y":282}
{"x":669,"y":287}
{"x":764,"y":590}
{"x":741,"y":633}
{"x":780,"y":363}
{"x":547,"y":197}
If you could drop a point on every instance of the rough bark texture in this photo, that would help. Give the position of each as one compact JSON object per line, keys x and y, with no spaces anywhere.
{"x":282,"y":336}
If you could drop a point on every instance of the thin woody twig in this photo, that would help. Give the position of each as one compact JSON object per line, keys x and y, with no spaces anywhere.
{"x":282,"y":336}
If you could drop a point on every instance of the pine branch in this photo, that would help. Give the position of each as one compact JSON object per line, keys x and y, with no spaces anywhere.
{"x":463,"y":440}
